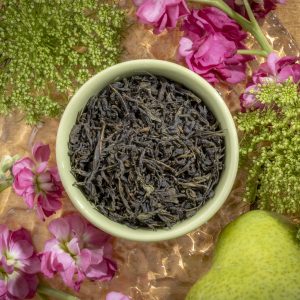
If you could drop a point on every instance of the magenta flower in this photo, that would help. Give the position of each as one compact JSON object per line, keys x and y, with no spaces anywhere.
{"x":78,"y":251}
{"x":260,"y":8}
{"x":161,"y":14}
{"x":19,"y":265}
{"x":116,"y":296}
{"x":39,"y":185}
{"x":210,"y":46}
{"x":276,"y":70}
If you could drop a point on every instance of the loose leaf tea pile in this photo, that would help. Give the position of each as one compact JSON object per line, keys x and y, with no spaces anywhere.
{"x":146,"y":152}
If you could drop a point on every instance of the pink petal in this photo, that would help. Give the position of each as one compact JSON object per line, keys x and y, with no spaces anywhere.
{"x":151,"y":11}
{"x":44,"y":177}
{"x":54,"y":174}
{"x":161,"y":25}
{"x":49,"y":203}
{"x":60,"y":229}
{"x":4,"y":237}
{"x":31,"y":265}
{"x":3,"y":288}
{"x":271,"y":61}
{"x":94,"y":237}
{"x":73,"y":246}
{"x":292,"y":71}
{"x":67,"y":277}
{"x":97,"y":256}
{"x":185,"y":47}
{"x":41,"y":152}
{"x":18,"y":286}
{"x":21,"y":250}
{"x":172,"y":14}
{"x":63,"y":260}
{"x":29,"y":199}
{"x":215,"y":50}
{"x":116,"y":296}
{"x":47,"y":267}
{"x":77,"y":224}
{"x":47,"y":206}
{"x":24,"y":163}
{"x":52,"y":245}
{"x":41,"y":213}
{"x":23,"y":180}
{"x":32,"y":282}
{"x":235,"y":74}
{"x":42,"y":167}
{"x":20,"y":234}
{"x":103,"y":271}
{"x":84,"y":260}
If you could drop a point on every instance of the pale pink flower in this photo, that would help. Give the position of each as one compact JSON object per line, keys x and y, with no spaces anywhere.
{"x":161,"y":14}
{"x":19,"y":265}
{"x":116,"y":296}
{"x":78,"y":251}
{"x":39,"y":185}
{"x":210,"y":43}
{"x":276,"y":70}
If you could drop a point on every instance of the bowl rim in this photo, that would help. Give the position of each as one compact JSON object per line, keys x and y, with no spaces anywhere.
{"x":122,"y":231}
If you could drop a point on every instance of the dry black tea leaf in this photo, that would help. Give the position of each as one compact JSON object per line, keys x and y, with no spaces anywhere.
{"x":146,"y":152}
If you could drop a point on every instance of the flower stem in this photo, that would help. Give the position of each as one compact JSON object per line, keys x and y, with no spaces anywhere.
{"x":253,"y":52}
{"x":46,"y":291}
{"x":259,"y":34}
{"x":250,"y":26}
{"x":43,"y":297}
{"x":5,"y":183}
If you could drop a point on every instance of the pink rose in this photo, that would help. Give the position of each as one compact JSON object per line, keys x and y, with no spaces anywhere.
{"x":276,"y":70}
{"x":260,"y":8}
{"x":210,"y":46}
{"x":161,"y":14}
{"x":78,"y":251}
{"x":39,"y":185}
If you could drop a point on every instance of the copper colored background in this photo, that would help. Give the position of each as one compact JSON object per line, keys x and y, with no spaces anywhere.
{"x":154,"y":271}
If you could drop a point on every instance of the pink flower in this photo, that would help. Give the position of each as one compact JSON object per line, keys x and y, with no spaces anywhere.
{"x":276,"y":70}
{"x":19,"y":265}
{"x":39,"y":185}
{"x":161,"y":14}
{"x":210,"y":46}
{"x":78,"y":251}
{"x":116,"y":296}
{"x":260,"y":8}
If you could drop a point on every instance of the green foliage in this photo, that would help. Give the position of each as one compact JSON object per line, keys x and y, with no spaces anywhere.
{"x":6,"y":177}
{"x":49,"y":47}
{"x":270,"y":148}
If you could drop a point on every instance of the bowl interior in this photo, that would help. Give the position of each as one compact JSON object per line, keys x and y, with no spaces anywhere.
{"x":191,"y":81}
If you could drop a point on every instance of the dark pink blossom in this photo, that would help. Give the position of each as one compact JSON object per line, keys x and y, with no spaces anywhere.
{"x":78,"y":251}
{"x":116,"y":296}
{"x":19,"y":265}
{"x":39,"y":185}
{"x":260,"y":8}
{"x":276,"y":70}
{"x":210,"y":45}
{"x":161,"y":14}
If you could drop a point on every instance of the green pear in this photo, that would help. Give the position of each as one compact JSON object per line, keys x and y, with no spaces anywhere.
{"x":257,"y":257}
